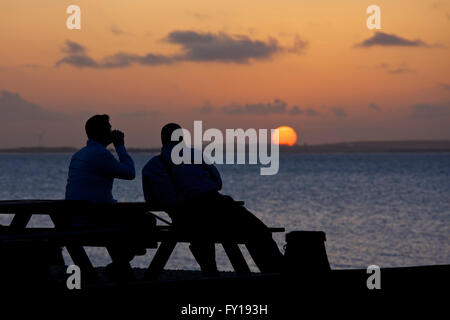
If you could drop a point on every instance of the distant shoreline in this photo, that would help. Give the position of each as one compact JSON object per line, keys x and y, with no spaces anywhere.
{"x":417,"y":146}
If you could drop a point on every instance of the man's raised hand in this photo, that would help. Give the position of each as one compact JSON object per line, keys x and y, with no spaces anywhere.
{"x":118,"y":138}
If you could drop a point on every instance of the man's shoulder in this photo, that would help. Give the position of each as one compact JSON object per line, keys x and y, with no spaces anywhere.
{"x":80,"y":152}
{"x":88,"y":152}
{"x":152,"y":164}
{"x":98,"y":150}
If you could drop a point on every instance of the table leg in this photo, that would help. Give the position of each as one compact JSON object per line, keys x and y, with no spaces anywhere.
{"x":20,"y":221}
{"x":236,"y":258}
{"x":160,"y":259}
{"x":81,"y":259}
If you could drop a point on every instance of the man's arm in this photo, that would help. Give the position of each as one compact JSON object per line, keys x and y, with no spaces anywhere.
{"x":124,"y":168}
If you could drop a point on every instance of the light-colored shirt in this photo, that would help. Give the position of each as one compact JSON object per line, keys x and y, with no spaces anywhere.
{"x":92,"y":171}
{"x":192,"y":179}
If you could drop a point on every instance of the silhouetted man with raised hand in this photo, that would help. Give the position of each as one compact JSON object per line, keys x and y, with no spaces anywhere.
{"x":91,"y":175}
{"x":189,"y":194}
{"x":93,"y":168}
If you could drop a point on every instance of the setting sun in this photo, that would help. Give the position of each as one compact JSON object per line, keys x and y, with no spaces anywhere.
{"x":285,"y":136}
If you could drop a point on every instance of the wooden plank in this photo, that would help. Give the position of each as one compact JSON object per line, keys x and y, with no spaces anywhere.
{"x":237,"y":260}
{"x":107,"y":236}
{"x":62,"y":206}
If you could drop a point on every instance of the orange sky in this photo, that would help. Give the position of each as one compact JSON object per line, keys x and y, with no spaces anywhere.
{"x":408,"y":86}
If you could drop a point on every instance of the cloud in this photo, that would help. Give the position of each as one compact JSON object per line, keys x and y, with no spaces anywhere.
{"x":200,"y":16}
{"x":429,"y":111}
{"x":374,"y":106}
{"x":120,"y":60}
{"x":24,"y":123}
{"x":276,"y":107}
{"x":299,"y":46}
{"x":400,"y":69}
{"x":438,"y":5}
{"x":312,"y":112}
{"x":33,"y":65}
{"x":339,"y":112}
{"x":137,"y":114}
{"x":72,"y":47}
{"x":444,"y":86}
{"x":296,"y":110}
{"x":78,"y":60}
{"x":14,"y":108}
{"x":205,"y":109}
{"x":194,"y":47}
{"x":390,"y":40}
{"x":117,"y":31}
{"x":221,"y":47}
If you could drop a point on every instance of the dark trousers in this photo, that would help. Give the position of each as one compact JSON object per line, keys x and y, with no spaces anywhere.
{"x":138,"y":224}
{"x":214,"y":213}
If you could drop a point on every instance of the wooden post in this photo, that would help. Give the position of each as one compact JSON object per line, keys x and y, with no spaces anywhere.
{"x":236,"y":258}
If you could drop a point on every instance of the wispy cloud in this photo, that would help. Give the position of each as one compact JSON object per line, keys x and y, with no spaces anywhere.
{"x":296,"y":110}
{"x":374,"y":106}
{"x":206,"y":109}
{"x":429,"y":111}
{"x":194,"y":47}
{"x":444,"y":86}
{"x":200,"y":16}
{"x":299,"y":46}
{"x":138,"y":114}
{"x":15,"y":108}
{"x":399,"y":69}
{"x":72,"y":47}
{"x":117,"y":31}
{"x":222,"y":47}
{"x":277,"y":106}
{"x":339,"y":112}
{"x":391,"y":40}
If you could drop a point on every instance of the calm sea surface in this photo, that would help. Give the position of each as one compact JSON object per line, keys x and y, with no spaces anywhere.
{"x":386,"y":209}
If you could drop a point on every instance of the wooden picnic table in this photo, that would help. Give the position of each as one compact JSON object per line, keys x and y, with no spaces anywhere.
{"x":76,"y":238}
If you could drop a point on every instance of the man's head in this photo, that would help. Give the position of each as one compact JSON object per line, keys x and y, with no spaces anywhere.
{"x":98,"y":129}
{"x":166,"y":133}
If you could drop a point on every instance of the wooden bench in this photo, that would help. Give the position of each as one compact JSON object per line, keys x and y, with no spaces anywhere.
{"x":74,"y":239}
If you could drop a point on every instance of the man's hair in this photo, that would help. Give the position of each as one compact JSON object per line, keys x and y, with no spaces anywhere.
{"x":166,"y":133}
{"x":97,"y":127}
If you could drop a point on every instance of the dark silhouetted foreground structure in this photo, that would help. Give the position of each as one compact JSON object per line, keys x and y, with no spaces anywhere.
{"x":27,"y":267}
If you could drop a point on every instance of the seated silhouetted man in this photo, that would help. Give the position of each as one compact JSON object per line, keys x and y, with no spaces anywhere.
{"x":189,"y":194}
{"x":93,"y":168}
{"x":91,"y":174}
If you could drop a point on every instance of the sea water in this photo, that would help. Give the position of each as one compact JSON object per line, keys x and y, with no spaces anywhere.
{"x":388,"y":209}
